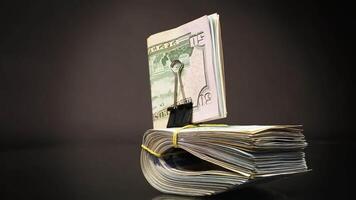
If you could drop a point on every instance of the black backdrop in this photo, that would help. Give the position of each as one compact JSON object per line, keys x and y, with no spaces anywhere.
{"x":73,"y":71}
{"x":75,"y":94}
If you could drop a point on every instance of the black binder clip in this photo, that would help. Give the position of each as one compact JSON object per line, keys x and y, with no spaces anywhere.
{"x":180,"y":114}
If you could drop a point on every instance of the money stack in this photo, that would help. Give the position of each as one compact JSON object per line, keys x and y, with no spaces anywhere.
{"x":195,"y":48}
{"x":204,"y":160}
{"x":197,"y":159}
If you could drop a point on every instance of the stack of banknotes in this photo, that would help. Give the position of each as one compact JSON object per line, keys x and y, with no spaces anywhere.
{"x":208,"y":159}
{"x":196,"y":49}
{"x":186,"y":65}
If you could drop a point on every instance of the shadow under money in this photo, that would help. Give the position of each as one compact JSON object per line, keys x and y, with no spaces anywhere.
{"x":249,"y":193}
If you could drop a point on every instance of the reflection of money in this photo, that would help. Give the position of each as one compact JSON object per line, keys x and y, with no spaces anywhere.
{"x":176,"y":197}
{"x":197,"y":46}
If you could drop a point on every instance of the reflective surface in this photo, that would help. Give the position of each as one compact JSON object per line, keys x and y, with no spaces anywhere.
{"x":111,"y":170}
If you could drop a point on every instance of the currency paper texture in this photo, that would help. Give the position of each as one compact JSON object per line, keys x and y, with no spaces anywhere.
{"x":197,"y":47}
{"x":214,"y":159}
{"x":196,"y":159}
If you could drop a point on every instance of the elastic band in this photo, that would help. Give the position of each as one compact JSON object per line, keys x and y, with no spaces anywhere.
{"x":211,"y":125}
{"x":176,"y":131}
{"x":150,"y":151}
{"x":175,"y":136}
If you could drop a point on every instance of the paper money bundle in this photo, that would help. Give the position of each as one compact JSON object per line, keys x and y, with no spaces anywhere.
{"x":204,"y":160}
{"x":186,"y":64}
{"x":187,"y":87}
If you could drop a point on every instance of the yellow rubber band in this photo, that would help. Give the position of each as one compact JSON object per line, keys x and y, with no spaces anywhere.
{"x":175,"y":136}
{"x":211,"y":125}
{"x":176,"y":131}
{"x":150,"y":151}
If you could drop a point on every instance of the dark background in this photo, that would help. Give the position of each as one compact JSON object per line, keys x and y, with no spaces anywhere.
{"x":74,"y":85}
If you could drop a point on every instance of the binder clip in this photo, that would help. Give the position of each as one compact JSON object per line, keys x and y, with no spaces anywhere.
{"x":180,"y":113}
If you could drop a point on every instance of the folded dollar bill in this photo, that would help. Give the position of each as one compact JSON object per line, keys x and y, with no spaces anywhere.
{"x":202,"y":160}
{"x":186,"y":64}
